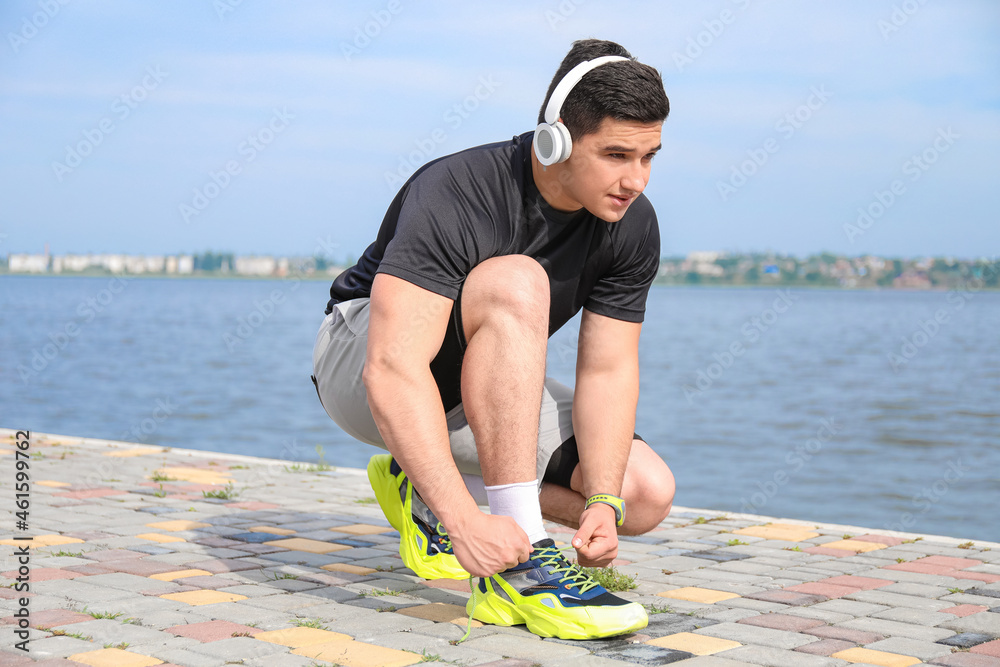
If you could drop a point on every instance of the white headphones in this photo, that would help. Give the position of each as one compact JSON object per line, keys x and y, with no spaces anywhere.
{"x":552,"y":140}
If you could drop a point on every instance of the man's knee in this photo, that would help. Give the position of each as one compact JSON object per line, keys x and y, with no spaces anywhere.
{"x":648,"y":491}
{"x":510,"y":286}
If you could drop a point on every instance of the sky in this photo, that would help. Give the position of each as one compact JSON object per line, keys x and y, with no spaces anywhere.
{"x":847,"y":126}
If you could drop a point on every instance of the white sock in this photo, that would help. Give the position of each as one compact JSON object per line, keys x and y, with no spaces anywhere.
{"x":476,"y":487}
{"x":520,"y":502}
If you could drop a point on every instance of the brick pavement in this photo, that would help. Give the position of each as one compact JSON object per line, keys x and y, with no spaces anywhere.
{"x":152,"y":556}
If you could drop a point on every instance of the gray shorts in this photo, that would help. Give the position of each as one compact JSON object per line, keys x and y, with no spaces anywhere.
{"x":339,"y":358}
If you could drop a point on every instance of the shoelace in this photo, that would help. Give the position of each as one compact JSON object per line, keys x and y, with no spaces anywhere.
{"x":442,"y":538}
{"x":551,"y":556}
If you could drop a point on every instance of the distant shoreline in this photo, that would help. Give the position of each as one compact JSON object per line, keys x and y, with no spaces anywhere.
{"x":656,"y":283}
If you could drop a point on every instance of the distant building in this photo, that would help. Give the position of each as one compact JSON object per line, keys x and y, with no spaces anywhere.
{"x":257,"y":266}
{"x":28,"y":263}
{"x":185,"y":264}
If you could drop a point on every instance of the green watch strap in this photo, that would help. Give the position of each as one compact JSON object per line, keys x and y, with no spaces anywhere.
{"x":614,"y":501}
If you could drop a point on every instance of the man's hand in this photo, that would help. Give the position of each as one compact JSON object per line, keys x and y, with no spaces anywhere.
{"x":489,"y":544}
{"x":596,"y":542}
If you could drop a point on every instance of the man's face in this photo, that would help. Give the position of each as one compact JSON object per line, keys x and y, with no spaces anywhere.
{"x":609,"y":168}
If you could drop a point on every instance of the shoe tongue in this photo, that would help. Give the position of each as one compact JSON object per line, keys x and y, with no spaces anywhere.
{"x":541,"y":544}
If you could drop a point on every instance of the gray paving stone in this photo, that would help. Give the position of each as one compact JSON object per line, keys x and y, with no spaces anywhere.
{"x":79,"y":591}
{"x":712,"y":661}
{"x":677,"y":563}
{"x":58,"y":647}
{"x":918,"y":649}
{"x":750,"y":634}
{"x":966,"y":640}
{"x":644,"y":654}
{"x":104,"y":631}
{"x":191,"y":658}
{"x":280,"y":660}
{"x":897,"y":629}
{"x":753,"y":605}
{"x":983,"y":622}
{"x":851,"y":607}
{"x":914,"y":616}
{"x":830,"y":617}
{"x":775,"y":657}
{"x":915,"y":589}
{"x":532,"y":649}
{"x":729,"y":615}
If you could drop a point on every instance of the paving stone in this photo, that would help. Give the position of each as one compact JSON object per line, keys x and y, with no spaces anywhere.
{"x":818,"y":614}
{"x":211,"y":631}
{"x":762,"y":636}
{"x":966,"y":640}
{"x":871,"y":657}
{"x":643,"y":654}
{"x":897,"y":600}
{"x":850,"y":607}
{"x":775,"y":657}
{"x":914,"y":616}
{"x":694,"y":644}
{"x":966,"y":660}
{"x":787,"y":597}
{"x":782,"y":622}
{"x":912,"y":647}
{"x":58,"y":647}
{"x":983,"y":622}
{"x":896,"y":629}
{"x":844,"y":634}
{"x":825,"y":647}
{"x":989,"y":648}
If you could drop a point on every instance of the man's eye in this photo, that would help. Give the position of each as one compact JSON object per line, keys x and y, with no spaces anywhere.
{"x":617,"y":156}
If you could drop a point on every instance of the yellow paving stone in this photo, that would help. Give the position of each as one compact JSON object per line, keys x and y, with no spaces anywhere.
{"x":359,"y":654}
{"x":692,"y":643}
{"x":54,"y":484}
{"x":362,"y":529}
{"x":179,"y":574}
{"x":115,"y":657}
{"x":197,"y":598}
{"x":439,"y":612}
{"x":307,"y":545}
{"x":856,"y":546}
{"x":696,"y":594}
{"x":350,"y":569}
{"x":271,"y":529}
{"x":177,"y":524}
{"x":873,"y":657}
{"x":778,"y":531}
{"x":195,"y":475}
{"x":162,"y":539}
{"x":135,"y":451}
{"x":299,"y":637}
{"x":42,"y":541}
{"x":6,"y":452}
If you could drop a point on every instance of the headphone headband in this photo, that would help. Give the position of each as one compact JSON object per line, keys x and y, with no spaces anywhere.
{"x":563,"y":88}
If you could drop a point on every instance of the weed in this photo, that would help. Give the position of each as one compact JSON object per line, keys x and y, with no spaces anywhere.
{"x":275,"y":576}
{"x":309,"y":623}
{"x":655,"y":609}
{"x":376,"y":593}
{"x":389,"y":608}
{"x":66,"y":554}
{"x":966,"y":545}
{"x":366,"y":501}
{"x":239,"y":467}
{"x":735,"y":543}
{"x":956,"y":590}
{"x":242,"y":634}
{"x":102,"y":614}
{"x":158,"y":476}
{"x":74,"y":635}
{"x":795,"y":548}
{"x":227,"y":493}
{"x":383,"y":568}
{"x":611,"y":578}
{"x":120,"y":645}
{"x":900,"y":560}
{"x":846,"y":536}
{"x":159,"y":493}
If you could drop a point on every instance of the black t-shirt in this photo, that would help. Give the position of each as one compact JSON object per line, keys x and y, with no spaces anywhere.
{"x":462,"y":209}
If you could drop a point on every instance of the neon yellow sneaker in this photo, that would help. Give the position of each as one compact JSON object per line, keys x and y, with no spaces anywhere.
{"x":423,"y":542}
{"x":555,"y":598}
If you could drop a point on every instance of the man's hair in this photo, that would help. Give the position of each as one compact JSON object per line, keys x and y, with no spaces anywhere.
{"x":621,"y":90}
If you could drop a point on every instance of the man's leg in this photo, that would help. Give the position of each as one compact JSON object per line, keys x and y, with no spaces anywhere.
{"x":648,"y":491}
{"x":505,"y":315}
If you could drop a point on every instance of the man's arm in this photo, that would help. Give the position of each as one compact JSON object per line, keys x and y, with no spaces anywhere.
{"x":406,"y":328}
{"x":604,"y":405}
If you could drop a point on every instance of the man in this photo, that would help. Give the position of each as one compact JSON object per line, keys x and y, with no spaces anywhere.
{"x":434,"y":348}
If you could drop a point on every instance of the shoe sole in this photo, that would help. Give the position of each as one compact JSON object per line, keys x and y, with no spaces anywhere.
{"x":562,"y":622}
{"x":412,"y":543}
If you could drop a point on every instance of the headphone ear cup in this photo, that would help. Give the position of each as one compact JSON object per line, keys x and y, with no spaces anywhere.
{"x":564,"y":142}
{"x":552,"y":143}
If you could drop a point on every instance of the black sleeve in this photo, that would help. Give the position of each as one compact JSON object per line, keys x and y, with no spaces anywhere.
{"x":621,"y":292}
{"x":443,"y":230}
